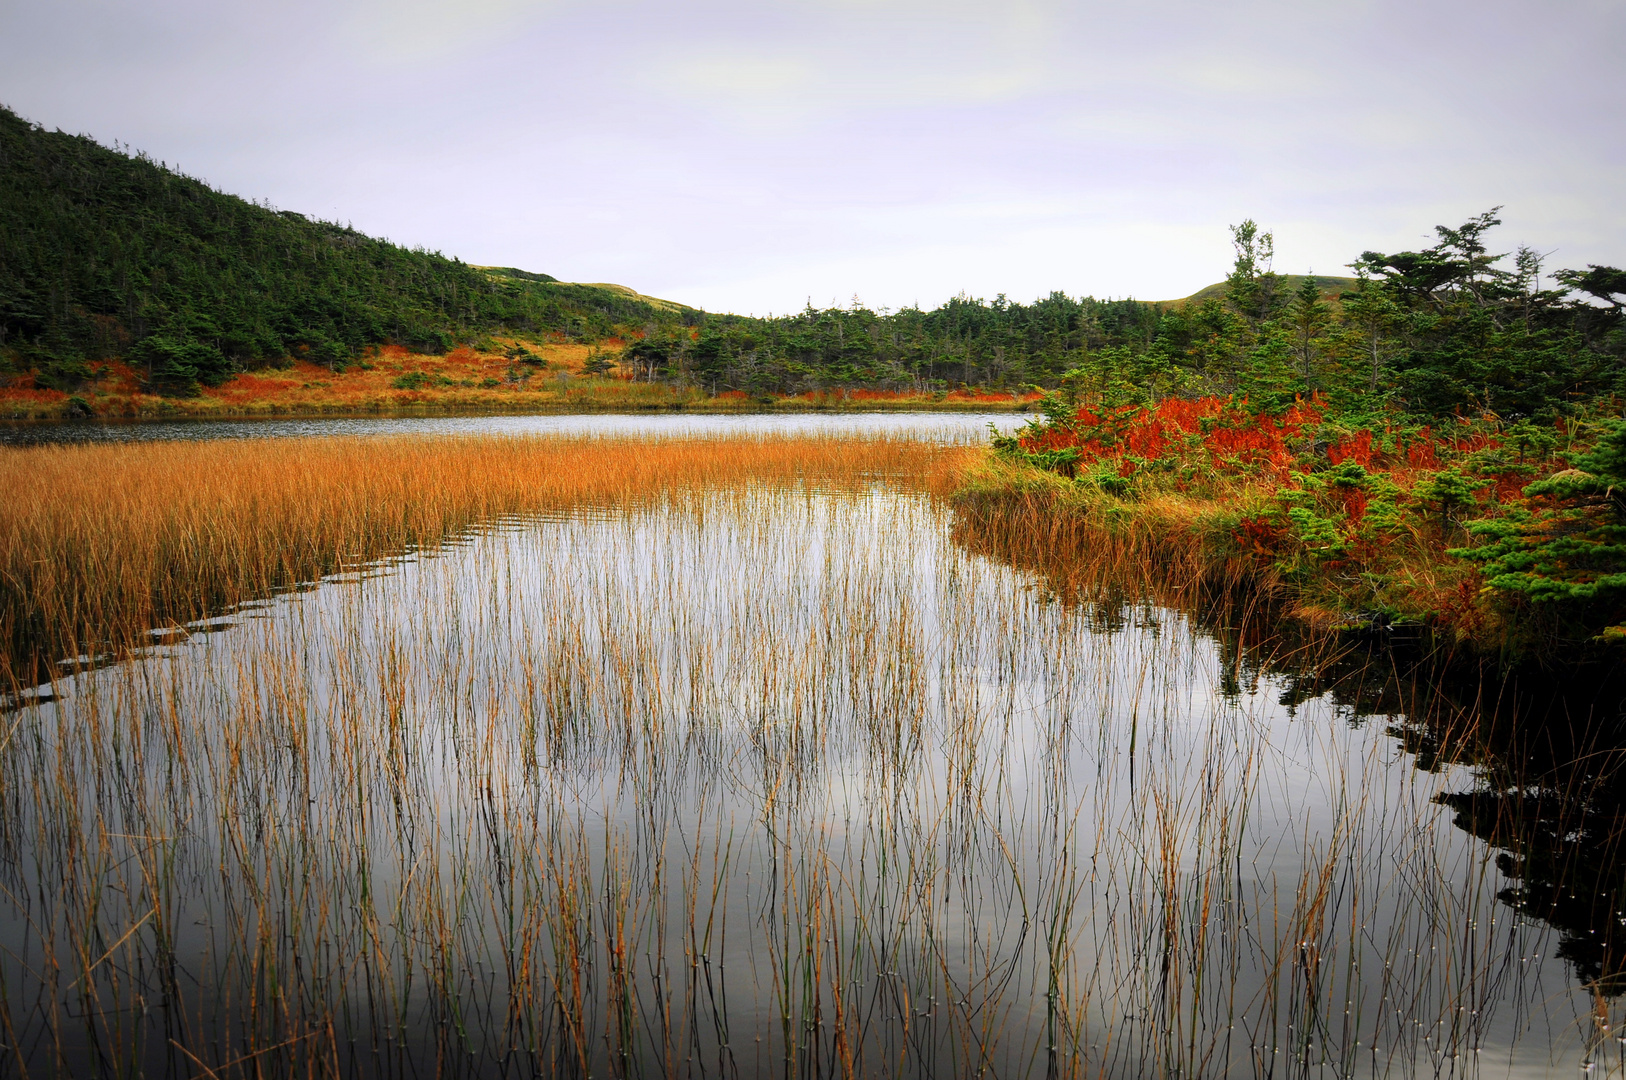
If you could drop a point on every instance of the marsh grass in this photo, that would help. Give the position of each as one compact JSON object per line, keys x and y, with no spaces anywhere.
{"x":101,"y":544}
{"x":767,"y":768}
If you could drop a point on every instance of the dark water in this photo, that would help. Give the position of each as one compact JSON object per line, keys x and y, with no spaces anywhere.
{"x":952,"y":427}
{"x":804,"y":784}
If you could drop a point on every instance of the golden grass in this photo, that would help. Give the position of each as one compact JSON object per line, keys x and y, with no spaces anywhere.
{"x":104,"y":542}
{"x":1159,"y":540}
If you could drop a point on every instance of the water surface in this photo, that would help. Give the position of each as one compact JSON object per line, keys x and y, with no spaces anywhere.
{"x":956,"y":427}
{"x":787,"y":782}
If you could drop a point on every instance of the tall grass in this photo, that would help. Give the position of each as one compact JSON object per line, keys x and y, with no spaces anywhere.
{"x":101,"y":543}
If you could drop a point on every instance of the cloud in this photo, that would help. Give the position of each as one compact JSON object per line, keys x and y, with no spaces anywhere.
{"x":723,"y":151}
{"x":420,"y":30}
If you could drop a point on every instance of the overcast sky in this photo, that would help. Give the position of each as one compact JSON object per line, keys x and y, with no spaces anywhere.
{"x":747,"y":156}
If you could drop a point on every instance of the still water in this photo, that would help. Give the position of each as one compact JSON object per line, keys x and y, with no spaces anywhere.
{"x":947,"y":427}
{"x":750,"y":783}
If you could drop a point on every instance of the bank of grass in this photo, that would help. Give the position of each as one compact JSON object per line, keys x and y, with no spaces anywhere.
{"x":1346,"y":525}
{"x":504,"y":376}
{"x":103,"y":543}
{"x":1193,"y":540}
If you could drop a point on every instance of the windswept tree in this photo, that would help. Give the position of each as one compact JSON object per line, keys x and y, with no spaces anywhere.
{"x":1251,"y":286}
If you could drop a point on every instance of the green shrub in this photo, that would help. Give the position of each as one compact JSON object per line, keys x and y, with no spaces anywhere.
{"x":177,"y":364}
{"x":1569,"y":551}
{"x":1445,"y":491}
{"x":1320,"y":536}
{"x":1104,"y":476}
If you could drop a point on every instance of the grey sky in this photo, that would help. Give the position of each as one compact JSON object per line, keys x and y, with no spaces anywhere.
{"x":748,"y":156}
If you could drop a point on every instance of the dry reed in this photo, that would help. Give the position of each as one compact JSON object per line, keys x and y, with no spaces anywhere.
{"x":103,"y":542}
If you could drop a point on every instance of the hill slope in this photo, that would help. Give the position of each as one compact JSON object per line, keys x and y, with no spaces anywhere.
{"x":107,"y":254}
{"x":1286,"y":285}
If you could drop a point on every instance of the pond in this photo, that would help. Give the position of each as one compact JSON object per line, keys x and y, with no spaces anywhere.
{"x":958,"y":427}
{"x":779,"y":781}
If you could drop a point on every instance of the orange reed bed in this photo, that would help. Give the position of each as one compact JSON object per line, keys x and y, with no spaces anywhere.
{"x":104,"y":542}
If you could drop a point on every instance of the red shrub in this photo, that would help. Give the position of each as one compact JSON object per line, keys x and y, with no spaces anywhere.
{"x":1422,"y":454}
{"x":1233,"y":432}
{"x":1356,"y":448}
{"x":1354,"y":500}
{"x":1260,"y":535}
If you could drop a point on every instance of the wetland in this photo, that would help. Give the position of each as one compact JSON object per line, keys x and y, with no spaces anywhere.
{"x":745,"y":754}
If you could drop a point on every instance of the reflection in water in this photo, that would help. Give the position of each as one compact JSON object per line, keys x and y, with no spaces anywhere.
{"x":952,"y":427}
{"x":770,"y":781}
{"x":1546,"y":753}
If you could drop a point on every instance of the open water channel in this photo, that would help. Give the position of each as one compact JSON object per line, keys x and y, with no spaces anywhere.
{"x":947,"y":427}
{"x":773,"y":782}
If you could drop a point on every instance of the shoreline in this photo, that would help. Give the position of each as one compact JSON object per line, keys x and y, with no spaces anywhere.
{"x":1186,"y":550}
{"x":62,"y":413}
{"x":514,"y":378}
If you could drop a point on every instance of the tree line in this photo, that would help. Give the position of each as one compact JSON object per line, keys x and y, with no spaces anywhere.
{"x":1448,"y":329}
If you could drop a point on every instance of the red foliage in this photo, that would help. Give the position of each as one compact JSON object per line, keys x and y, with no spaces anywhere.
{"x":1356,"y":448}
{"x":1229,"y":431}
{"x":1354,"y":500}
{"x":1510,"y":486}
{"x":32,"y":395}
{"x":1475,"y":442}
{"x":1421,"y":454}
{"x":982,"y":395}
{"x":1260,"y":535}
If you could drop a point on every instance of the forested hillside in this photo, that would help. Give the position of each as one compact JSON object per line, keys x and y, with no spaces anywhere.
{"x":106,"y":254}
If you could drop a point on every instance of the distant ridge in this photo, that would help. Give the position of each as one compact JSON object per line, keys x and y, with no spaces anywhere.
{"x":658,"y":304}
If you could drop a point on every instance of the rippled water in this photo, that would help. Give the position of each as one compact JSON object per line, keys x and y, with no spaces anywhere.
{"x":761,"y":782}
{"x":949,"y":427}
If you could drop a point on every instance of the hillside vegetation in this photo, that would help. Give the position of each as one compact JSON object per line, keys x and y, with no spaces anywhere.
{"x":112,"y":255}
{"x":117,"y":266}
